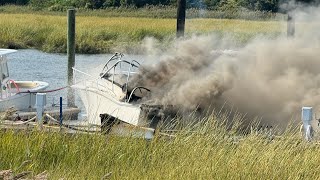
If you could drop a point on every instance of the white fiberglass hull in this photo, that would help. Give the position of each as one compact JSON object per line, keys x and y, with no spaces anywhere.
{"x":22,"y":100}
{"x":99,"y":102}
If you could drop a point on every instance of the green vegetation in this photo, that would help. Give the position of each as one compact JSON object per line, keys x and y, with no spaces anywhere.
{"x":150,"y":12}
{"x":206,"y":152}
{"x":230,"y":5}
{"x":102,"y":34}
{"x":224,"y":5}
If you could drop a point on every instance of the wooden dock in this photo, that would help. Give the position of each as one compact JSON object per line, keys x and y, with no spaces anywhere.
{"x":69,"y":113}
{"x":50,"y":123}
{"x":26,"y":120}
{"x":70,"y":127}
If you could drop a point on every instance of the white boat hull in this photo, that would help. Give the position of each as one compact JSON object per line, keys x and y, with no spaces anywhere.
{"x":22,"y":100}
{"x":98,"y":102}
{"x":106,"y":94}
{"x":19,"y":102}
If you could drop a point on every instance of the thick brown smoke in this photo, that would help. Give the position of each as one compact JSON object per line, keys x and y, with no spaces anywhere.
{"x":268,"y":78}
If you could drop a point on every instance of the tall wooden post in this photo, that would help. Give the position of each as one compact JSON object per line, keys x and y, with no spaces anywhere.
{"x":181,"y":17}
{"x":290,"y":24}
{"x":71,"y":54}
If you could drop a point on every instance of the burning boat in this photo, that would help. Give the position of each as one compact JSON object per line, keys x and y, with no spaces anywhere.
{"x":108,"y":97}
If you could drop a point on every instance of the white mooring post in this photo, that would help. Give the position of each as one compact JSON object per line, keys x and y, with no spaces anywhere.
{"x":40,"y":103}
{"x":306,"y":116}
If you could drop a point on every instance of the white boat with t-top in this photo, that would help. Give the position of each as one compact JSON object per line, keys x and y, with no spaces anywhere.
{"x":20,"y":95}
{"x":108,"y":96}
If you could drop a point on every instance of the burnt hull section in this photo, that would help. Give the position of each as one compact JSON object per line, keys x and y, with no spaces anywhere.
{"x":150,"y":116}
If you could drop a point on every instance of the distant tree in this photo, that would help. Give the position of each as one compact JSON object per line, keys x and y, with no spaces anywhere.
{"x":211,"y":4}
{"x":111,"y":3}
{"x":196,"y":4}
{"x":254,"y":5}
{"x":266,"y":5}
{"x":17,"y":2}
{"x":40,"y":3}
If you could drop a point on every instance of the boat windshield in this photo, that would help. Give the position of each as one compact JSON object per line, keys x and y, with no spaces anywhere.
{"x":119,"y":71}
{"x":116,"y":65}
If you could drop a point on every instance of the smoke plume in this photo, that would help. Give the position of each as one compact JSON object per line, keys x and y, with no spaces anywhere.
{"x":268,"y":78}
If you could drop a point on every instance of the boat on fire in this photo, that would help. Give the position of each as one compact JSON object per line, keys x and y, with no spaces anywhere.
{"x":20,"y":95}
{"x":108,"y":96}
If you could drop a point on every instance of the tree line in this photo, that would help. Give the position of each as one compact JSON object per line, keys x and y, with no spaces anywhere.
{"x":222,"y":5}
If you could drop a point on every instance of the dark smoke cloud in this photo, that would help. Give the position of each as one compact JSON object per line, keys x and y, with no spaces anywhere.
{"x":269,"y":78}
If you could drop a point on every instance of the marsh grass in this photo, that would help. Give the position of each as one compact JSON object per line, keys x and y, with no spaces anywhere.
{"x":96,"y":34}
{"x":205,"y":150}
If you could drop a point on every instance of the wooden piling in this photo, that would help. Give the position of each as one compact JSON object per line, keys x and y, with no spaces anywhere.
{"x":290,"y":25}
{"x":71,"y":54}
{"x":181,"y":18}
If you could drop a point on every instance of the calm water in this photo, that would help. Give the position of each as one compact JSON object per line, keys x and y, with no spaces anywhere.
{"x":52,"y":68}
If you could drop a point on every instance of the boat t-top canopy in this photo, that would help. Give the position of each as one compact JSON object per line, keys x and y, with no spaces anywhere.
{"x":6,"y":51}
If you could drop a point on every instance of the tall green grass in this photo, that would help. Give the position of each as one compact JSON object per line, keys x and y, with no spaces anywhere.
{"x":109,"y":34}
{"x":202,"y":151}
